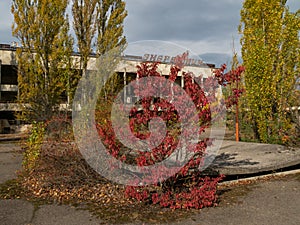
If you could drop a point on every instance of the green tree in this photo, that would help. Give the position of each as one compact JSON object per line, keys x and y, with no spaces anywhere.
{"x":44,"y":59}
{"x":100,"y":21}
{"x":270,"y":51}
{"x":111,"y":15}
{"x":84,"y":14}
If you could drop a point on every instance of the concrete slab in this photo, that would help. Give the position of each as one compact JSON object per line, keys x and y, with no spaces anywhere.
{"x":268,"y":203}
{"x":63,"y":214}
{"x":15,"y":212}
{"x":236,"y":158}
{"x":10,"y":161}
{"x":9,"y":147}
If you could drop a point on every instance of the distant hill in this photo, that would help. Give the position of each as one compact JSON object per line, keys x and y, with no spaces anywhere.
{"x":217,"y":58}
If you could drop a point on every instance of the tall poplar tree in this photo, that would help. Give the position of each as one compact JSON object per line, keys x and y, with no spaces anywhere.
{"x":111,"y":15}
{"x":98,"y":25}
{"x":42,"y":29}
{"x":100,"y":21}
{"x":84,"y":15}
{"x":270,"y":51}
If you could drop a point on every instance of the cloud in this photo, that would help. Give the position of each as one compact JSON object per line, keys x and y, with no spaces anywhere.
{"x":204,"y":26}
{"x":199,"y":24}
{"x":6,"y":16}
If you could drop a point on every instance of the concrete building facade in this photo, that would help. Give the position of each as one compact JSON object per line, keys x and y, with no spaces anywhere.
{"x":126,"y":68}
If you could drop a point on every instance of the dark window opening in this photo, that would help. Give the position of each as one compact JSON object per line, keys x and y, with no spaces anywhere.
{"x":9,"y":74}
{"x":8,"y":96}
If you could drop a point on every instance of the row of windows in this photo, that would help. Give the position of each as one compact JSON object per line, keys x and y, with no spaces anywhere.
{"x":8,"y":76}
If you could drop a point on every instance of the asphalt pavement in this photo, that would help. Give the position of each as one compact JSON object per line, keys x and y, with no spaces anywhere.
{"x":270,"y":202}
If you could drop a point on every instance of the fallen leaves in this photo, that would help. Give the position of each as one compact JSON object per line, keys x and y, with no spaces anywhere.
{"x":62,"y":176}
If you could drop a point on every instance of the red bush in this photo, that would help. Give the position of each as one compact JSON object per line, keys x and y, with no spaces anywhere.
{"x":187,"y":188}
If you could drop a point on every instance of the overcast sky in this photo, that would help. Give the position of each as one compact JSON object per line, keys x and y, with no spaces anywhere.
{"x":204,"y":26}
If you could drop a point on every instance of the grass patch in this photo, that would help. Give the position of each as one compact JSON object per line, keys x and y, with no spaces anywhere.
{"x":11,"y":189}
{"x":234,"y":195}
{"x":138,"y":213}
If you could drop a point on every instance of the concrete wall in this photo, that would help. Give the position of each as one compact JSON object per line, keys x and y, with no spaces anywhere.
{"x":127,"y":66}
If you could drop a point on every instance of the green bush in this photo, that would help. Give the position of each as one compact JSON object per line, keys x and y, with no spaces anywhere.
{"x":33,"y":145}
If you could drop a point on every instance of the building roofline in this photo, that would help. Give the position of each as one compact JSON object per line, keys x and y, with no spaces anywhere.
{"x":14,"y":47}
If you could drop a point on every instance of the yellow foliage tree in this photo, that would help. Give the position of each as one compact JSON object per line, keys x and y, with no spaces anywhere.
{"x":44,"y":59}
{"x":270,"y":51}
{"x":111,"y":15}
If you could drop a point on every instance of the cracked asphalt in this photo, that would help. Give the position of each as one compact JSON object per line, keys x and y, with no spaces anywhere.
{"x":266,"y":202}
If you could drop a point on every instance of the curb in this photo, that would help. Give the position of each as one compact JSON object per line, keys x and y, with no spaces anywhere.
{"x":12,"y":137}
{"x":258,"y":178}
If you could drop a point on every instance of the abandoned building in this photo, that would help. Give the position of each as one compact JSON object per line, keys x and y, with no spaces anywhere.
{"x":126,"y":69}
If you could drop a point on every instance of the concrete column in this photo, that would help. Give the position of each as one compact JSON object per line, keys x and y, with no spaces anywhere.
{"x":124,"y":77}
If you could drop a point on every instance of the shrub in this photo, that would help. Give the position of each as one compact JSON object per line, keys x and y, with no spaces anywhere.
{"x":33,"y":146}
{"x":186,"y":187}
